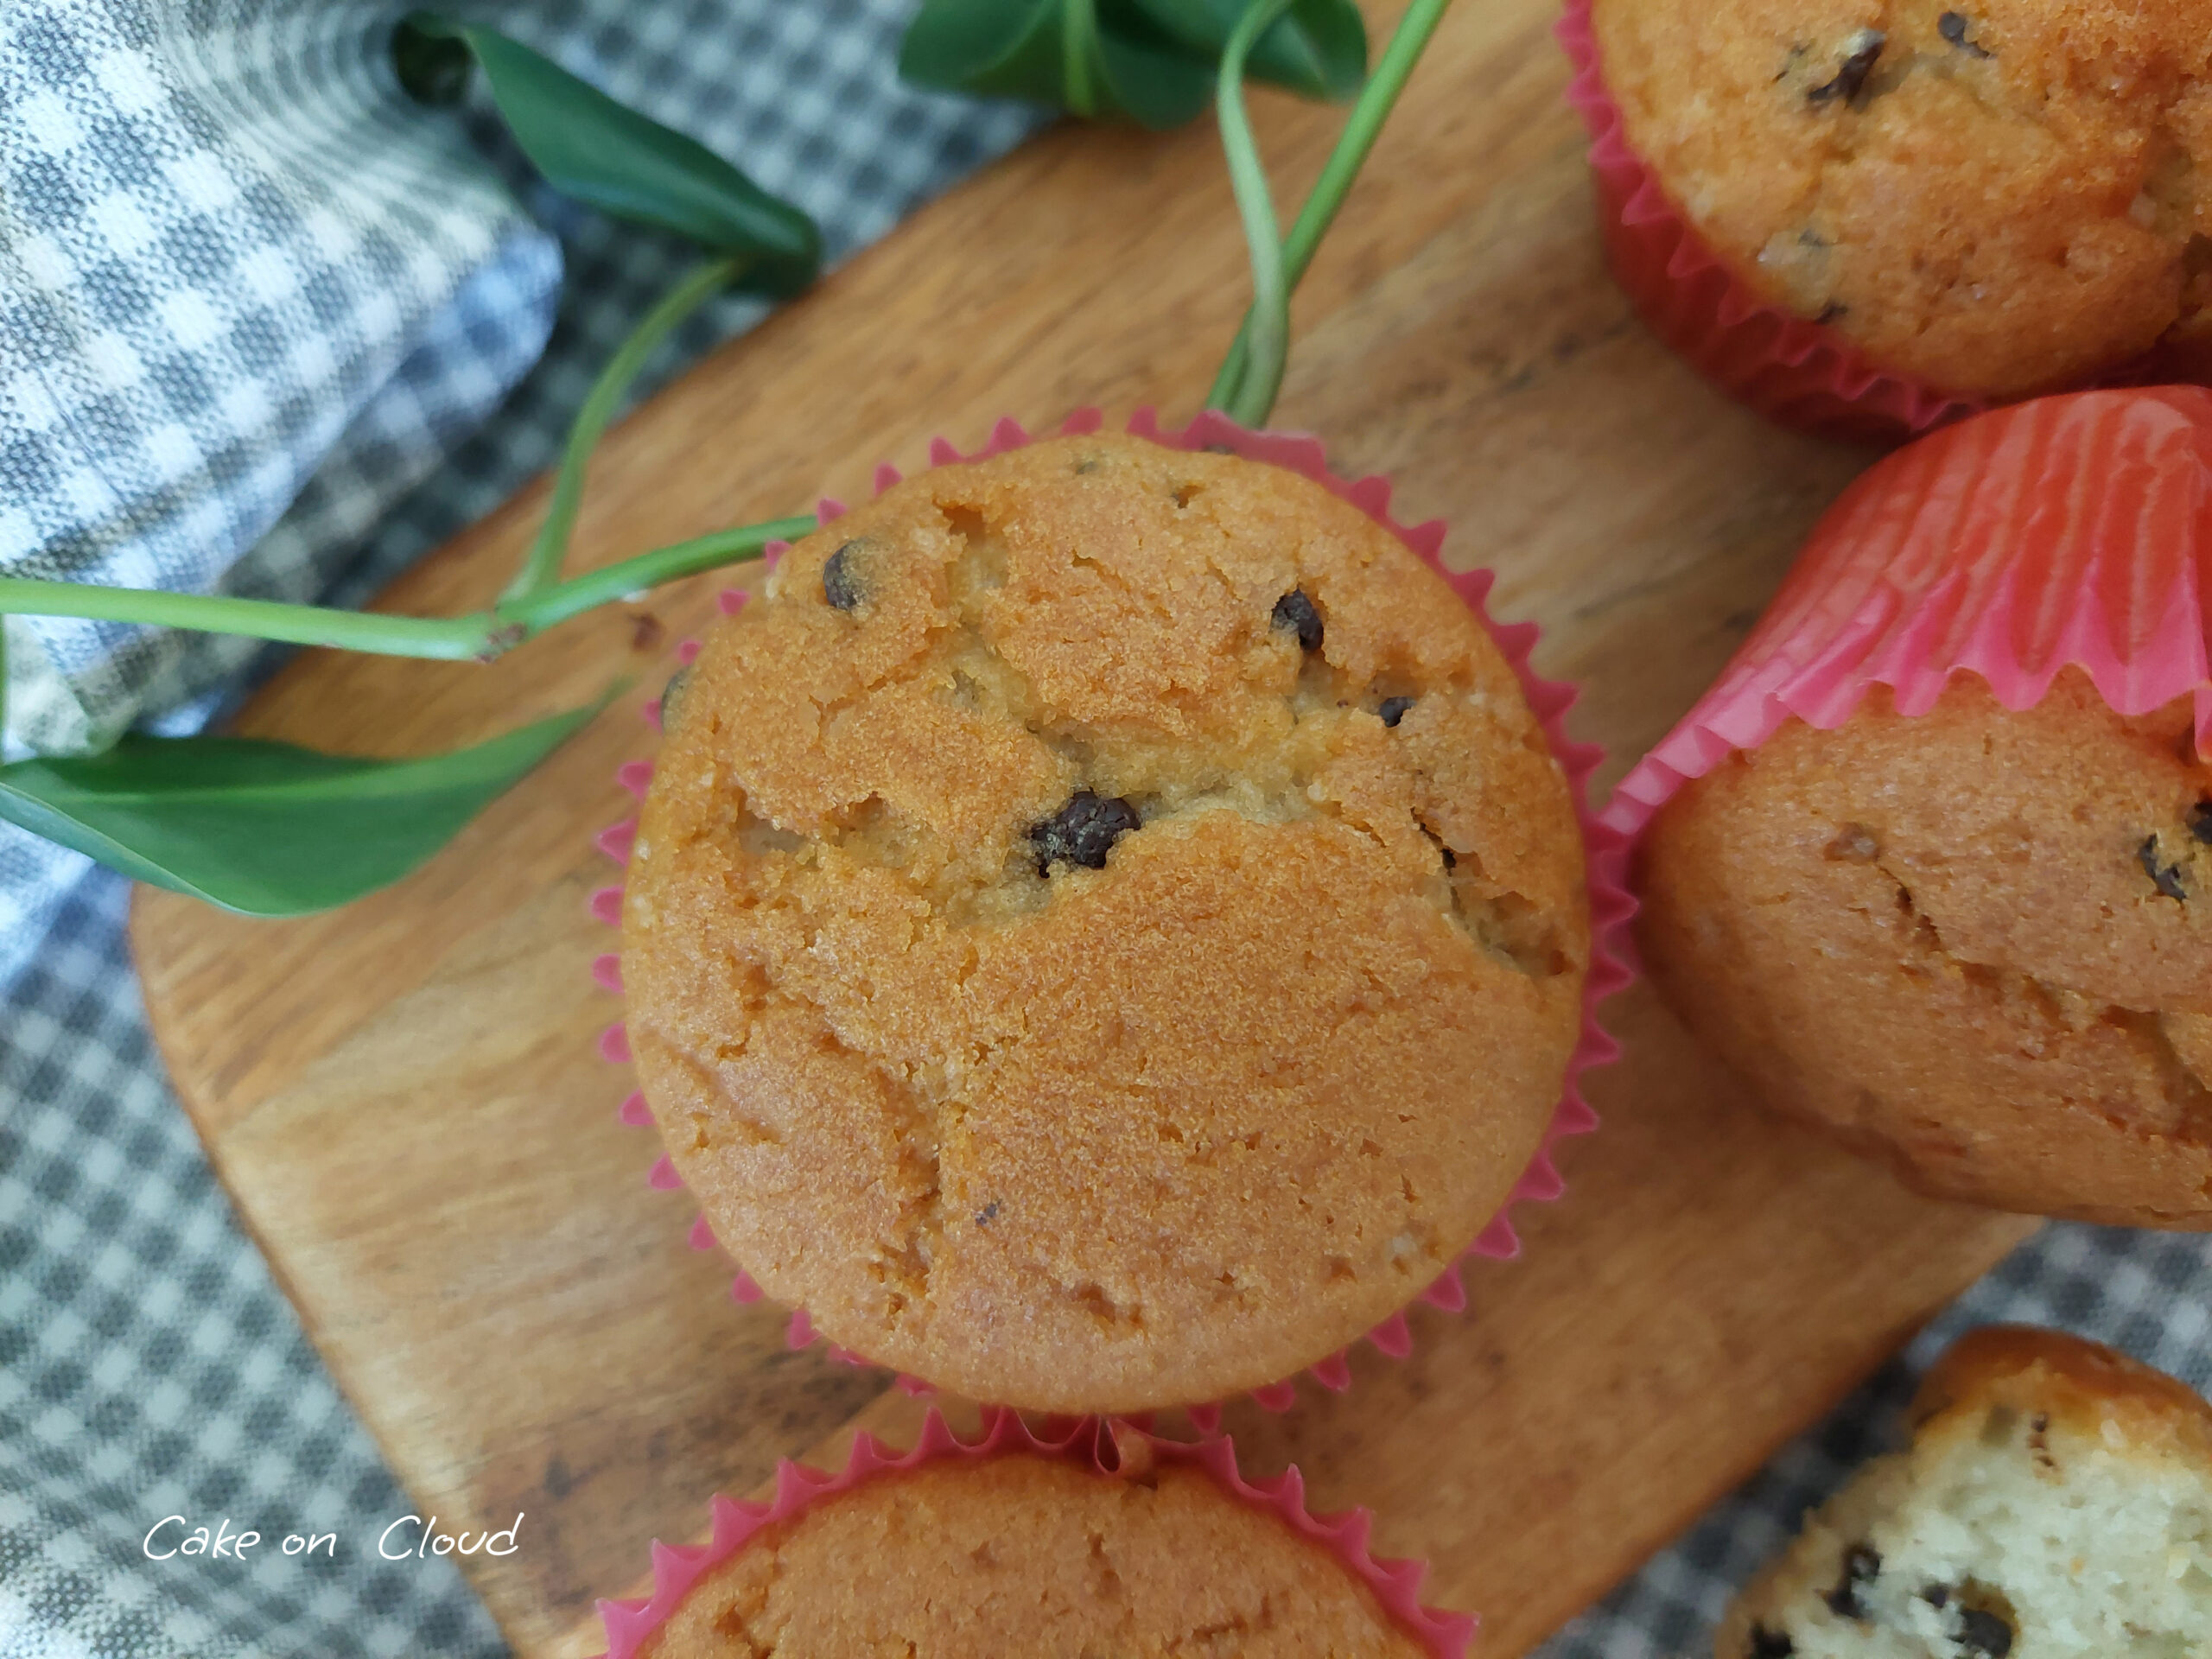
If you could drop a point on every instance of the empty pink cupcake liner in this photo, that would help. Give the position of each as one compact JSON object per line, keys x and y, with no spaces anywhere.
{"x":1610,"y":904}
{"x":1792,"y":370}
{"x":2069,"y":531}
{"x":1106,"y":1447}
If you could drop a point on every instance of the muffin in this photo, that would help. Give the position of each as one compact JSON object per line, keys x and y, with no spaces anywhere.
{"x":1036,"y":1555}
{"x":2055,"y":1503}
{"x":1976,"y":943}
{"x":1106,"y":928}
{"x":1926,"y":864}
{"x":1989,"y":202}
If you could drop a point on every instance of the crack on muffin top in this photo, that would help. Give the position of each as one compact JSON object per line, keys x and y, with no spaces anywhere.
{"x":1016,"y":858}
{"x":2182,"y":1110}
{"x":1123,"y":781}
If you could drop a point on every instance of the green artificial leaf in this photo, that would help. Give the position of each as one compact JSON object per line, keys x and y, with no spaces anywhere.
{"x":1151,"y":62}
{"x":1120,"y":64}
{"x":996,"y":48}
{"x":1149,"y":80}
{"x":1316,"y":49}
{"x":268,"y":828}
{"x":608,"y":156}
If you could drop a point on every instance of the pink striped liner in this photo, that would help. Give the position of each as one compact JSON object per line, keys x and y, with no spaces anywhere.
{"x":1610,"y":906}
{"x":1104,"y":1446}
{"x":2068,"y":531}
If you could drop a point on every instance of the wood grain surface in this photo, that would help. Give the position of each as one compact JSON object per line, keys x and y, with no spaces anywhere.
{"x":405,"y":1099}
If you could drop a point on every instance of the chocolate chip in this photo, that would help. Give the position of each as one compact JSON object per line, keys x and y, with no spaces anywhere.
{"x":1850,"y":75}
{"x":2199,"y":822}
{"x":1394,"y":710}
{"x":1768,"y":1644}
{"x":1980,"y":1631}
{"x":987,"y":1214}
{"x":1862,"y":1563}
{"x":2164,"y":877}
{"x":1294,"y":610}
{"x":841,"y":582}
{"x":1082,"y":832}
{"x":1953,"y":26}
{"x":671,"y":696}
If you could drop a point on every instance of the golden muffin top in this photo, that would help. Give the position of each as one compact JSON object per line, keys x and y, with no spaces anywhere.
{"x":1032,"y":1555}
{"x":2003,"y":198}
{"x":1106,"y":929}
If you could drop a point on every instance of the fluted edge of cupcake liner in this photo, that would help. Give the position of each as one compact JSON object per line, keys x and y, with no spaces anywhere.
{"x":1108,"y":1447}
{"x":2070,"y":532}
{"x":1798,"y":372}
{"x":1605,"y":860}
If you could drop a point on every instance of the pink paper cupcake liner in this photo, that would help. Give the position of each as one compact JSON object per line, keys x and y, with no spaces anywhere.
{"x":1610,"y":904}
{"x":2069,"y":531}
{"x":1104,"y":1446}
{"x":1792,"y":370}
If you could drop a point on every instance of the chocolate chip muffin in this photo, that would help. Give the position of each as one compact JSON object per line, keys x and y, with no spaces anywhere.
{"x":1976,"y":943}
{"x":1026,"y":1555}
{"x":1993,"y":200}
{"x":1106,"y":929}
{"x":2053,"y":1504}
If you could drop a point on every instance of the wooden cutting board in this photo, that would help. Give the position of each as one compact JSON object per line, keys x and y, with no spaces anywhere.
{"x":406,"y":1100}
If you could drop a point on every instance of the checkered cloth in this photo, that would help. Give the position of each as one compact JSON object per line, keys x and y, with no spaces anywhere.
{"x":262,"y":323}
{"x":267,"y":328}
{"x":232,"y":259}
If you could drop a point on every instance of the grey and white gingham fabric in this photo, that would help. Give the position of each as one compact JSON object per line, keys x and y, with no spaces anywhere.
{"x":223,"y":235}
{"x":269,"y":328}
{"x":264,"y":324}
{"x":149,"y":1367}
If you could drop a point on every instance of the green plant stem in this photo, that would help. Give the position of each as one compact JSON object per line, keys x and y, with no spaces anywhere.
{"x":612,"y":582}
{"x":1078,"y":40}
{"x":542,"y":568}
{"x":482,"y":635}
{"x":451,"y":638}
{"x":1361,"y":127}
{"x":1269,"y":316}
